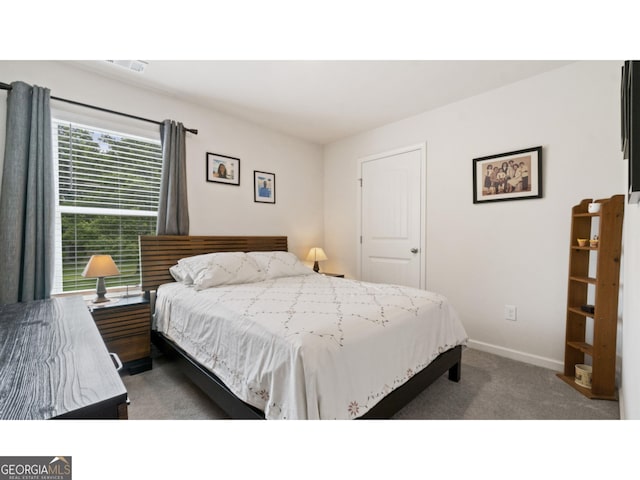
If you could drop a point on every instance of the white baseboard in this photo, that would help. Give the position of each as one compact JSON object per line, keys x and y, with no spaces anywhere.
{"x":517,"y":355}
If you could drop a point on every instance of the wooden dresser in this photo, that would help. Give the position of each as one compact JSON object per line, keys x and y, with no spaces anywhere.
{"x":54,"y":364}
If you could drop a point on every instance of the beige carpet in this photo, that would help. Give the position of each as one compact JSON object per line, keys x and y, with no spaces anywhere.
{"x":491,"y":388}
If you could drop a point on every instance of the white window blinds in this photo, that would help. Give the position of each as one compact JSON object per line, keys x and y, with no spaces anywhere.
{"x":108,"y":188}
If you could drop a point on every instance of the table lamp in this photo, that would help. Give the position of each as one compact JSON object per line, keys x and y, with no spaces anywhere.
{"x":100,"y":266}
{"x":316,"y":254}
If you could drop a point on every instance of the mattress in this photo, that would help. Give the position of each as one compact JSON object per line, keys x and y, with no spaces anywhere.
{"x":309,"y":346}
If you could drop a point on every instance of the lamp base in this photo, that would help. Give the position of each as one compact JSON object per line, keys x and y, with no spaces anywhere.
{"x":316,"y":267}
{"x":101,"y":290}
{"x":100,"y":300}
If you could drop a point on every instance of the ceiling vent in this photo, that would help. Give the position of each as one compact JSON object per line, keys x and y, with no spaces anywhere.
{"x":133,"y":65}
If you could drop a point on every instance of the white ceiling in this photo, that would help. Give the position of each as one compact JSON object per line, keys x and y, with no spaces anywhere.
{"x":323,"y":101}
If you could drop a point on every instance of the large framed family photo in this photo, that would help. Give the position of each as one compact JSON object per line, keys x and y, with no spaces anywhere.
{"x":508,"y":176}
{"x":223,"y":169}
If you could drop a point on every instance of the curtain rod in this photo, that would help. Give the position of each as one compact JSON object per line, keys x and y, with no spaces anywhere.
{"x":4,"y":86}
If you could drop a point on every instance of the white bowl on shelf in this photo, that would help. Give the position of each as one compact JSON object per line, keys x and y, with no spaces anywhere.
{"x":593,"y":208}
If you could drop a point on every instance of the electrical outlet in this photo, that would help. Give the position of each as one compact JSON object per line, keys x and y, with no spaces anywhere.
{"x":510,"y":312}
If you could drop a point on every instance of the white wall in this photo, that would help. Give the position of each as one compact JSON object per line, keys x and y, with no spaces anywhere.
{"x":487,"y":255}
{"x":214,"y":209}
{"x":630,"y":388}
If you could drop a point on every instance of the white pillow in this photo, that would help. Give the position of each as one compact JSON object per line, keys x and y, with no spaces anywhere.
{"x":221,"y":268}
{"x":280,"y":264}
{"x":180,"y":274}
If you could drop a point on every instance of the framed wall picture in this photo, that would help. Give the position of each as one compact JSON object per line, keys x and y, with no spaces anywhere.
{"x":223,"y":169}
{"x":508,"y":176}
{"x":264,"y":187}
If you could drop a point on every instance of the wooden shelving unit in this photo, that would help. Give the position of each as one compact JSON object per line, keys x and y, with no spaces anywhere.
{"x":605,"y":258}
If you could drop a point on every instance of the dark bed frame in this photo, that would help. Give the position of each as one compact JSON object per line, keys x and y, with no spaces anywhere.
{"x":159,"y":253}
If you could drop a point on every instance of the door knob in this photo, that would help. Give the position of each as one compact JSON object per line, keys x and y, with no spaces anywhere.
{"x":414,"y":250}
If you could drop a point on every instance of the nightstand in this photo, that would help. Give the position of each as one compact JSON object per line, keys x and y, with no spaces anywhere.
{"x":339,"y":275}
{"x":125,"y":326}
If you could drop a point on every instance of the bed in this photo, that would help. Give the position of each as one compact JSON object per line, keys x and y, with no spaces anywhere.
{"x":296,"y":344}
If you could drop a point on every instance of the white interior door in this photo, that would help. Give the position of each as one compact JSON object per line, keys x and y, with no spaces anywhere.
{"x":392,"y":218}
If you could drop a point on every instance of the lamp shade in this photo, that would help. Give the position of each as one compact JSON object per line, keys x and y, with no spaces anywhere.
{"x":100,"y":266}
{"x":316,"y":254}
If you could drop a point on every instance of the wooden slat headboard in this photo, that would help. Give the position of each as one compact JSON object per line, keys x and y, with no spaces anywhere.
{"x":159,"y":253}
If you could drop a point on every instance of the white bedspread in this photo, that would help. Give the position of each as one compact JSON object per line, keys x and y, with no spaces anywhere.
{"x":310,"y":346}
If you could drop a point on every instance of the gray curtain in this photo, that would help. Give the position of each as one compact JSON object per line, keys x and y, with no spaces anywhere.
{"x":27,"y":200}
{"x":173,"y":208}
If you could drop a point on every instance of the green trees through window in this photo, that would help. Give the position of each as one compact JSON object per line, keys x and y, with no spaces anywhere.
{"x":108,"y":186}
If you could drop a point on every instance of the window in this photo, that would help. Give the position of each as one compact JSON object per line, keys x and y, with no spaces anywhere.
{"x":108,"y":186}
